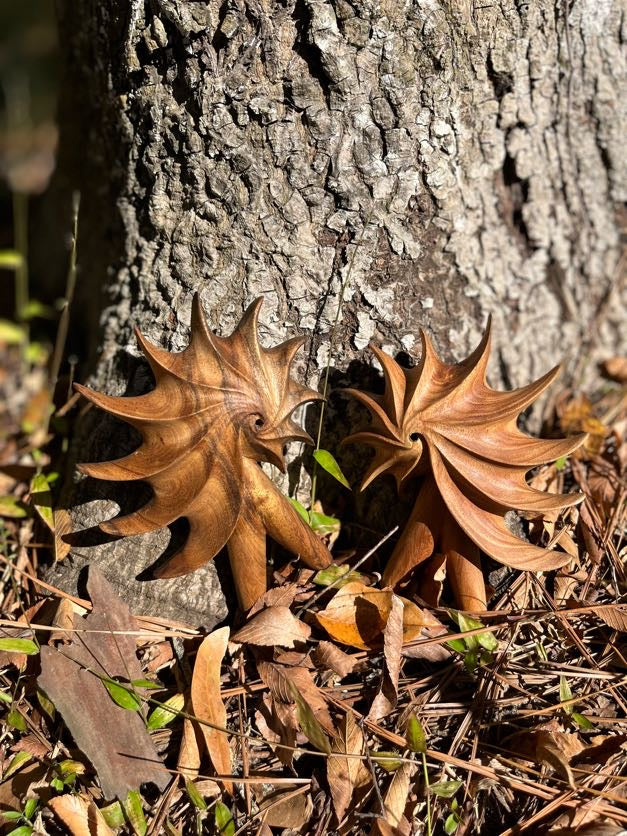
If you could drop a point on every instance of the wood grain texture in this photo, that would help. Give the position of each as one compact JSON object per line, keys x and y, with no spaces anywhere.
{"x":218,"y":408}
{"x":445,"y":421}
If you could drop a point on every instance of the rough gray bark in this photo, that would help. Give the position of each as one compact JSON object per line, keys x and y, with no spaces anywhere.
{"x":465,"y":158}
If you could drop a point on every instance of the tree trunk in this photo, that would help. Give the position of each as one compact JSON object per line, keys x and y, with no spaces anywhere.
{"x":443,"y":160}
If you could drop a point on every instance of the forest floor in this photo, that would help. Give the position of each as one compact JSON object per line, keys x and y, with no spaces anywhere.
{"x":308,"y":717}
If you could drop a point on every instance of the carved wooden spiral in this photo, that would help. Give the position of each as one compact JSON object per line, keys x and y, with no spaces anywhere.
{"x":218,"y":408}
{"x":443,"y":421}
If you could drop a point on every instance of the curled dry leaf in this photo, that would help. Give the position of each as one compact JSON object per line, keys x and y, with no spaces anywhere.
{"x":357,"y":616}
{"x":387,"y":695}
{"x":444,"y":422}
{"x":345,"y":775}
{"x":207,"y":703}
{"x":80,"y":816}
{"x":615,"y":368}
{"x":218,"y":408}
{"x":328,"y":656}
{"x":273,"y":626}
{"x":549,"y":746}
{"x":281,"y":680}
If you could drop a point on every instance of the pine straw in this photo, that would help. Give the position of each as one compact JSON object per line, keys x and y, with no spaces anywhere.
{"x":536,"y":734}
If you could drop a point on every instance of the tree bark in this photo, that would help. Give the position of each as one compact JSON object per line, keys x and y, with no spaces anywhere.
{"x":441,"y":160}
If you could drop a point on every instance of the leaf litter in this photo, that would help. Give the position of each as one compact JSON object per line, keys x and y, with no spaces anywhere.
{"x":300,"y":719}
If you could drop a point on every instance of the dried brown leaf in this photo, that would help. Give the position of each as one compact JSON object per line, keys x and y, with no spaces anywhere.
{"x":207,"y":703}
{"x":114,"y":739}
{"x":271,"y":627}
{"x":614,"y":615}
{"x":395,"y":800}
{"x":288,"y":810}
{"x":79,"y":815}
{"x":387,"y":695}
{"x":328,"y":656}
{"x":189,"y":758}
{"x":280,"y":680}
{"x":344,"y":775}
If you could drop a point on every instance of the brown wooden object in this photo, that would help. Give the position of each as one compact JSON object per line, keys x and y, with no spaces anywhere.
{"x":218,"y":408}
{"x":444,"y":422}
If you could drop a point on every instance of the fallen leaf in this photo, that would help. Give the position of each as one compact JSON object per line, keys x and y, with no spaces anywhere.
{"x":114,"y":740}
{"x":327,"y":655}
{"x":207,"y":703}
{"x":346,"y":774}
{"x":81,"y":817}
{"x":188,"y":763}
{"x":387,"y":695}
{"x":357,"y":616}
{"x":62,"y":526}
{"x":288,"y":810}
{"x":395,"y":799}
{"x":549,"y":746}
{"x":271,"y":627}
{"x":280,"y":681}
{"x":614,"y":615}
{"x":63,"y":622}
{"x":309,"y":723}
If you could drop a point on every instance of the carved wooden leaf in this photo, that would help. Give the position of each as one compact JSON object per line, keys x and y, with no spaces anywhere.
{"x":218,"y":408}
{"x":445,"y":421}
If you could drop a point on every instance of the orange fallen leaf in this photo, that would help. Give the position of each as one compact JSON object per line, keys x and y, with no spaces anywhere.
{"x":81,"y":817}
{"x":357,"y":616}
{"x":207,"y":703}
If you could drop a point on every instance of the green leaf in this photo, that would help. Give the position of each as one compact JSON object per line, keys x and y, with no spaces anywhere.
{"x":445,"y":789}
{"x":11,"y":815}
{"x":457,"y":644}
{"x":471,"y":659}
{"x":451,"y":824}
{"x":165,"y":713}
{"x":30,"y":807}
{"x":10,"y":260}
{"x":323,"y":524}
{"x":332,"y":575}
{"x":224,"y":820}
{"x":309,"y":723}
{"x":565,"y":694}
{"x":486,"y":640}
{"x":146,"y":683}
{"x":68,"y":767}
{"x":27,"y":646}
{"x":135,"y":813}
{"x":16,"y":720}
{"x":4,"y":697}
{"x":301,"y":510}
{"x":194,"y":796}
{"x":41,"y":498}
{"x":57,"y":784}
{"x":582,"y":721}
{"x":23,"y":830}
{"x":13,"y":508}
{"x":17,"y":762}
{"x":390,"y":761}
{"x":327,"y":461}
{"x":113,"y":814}
{"x":46,"y":704}
{"x":11,"y":333}
{"x":415,"y":735}
{"x":122,"y":696}
{"x":560,"y":464}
